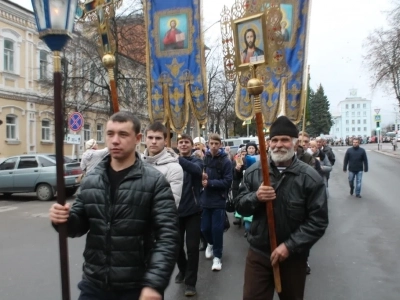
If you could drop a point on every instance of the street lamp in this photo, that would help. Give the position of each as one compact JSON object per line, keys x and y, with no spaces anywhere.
{"x":55,"y":20}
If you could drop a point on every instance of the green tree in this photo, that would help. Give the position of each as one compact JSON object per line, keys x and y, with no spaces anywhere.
{"x":320,"y":117}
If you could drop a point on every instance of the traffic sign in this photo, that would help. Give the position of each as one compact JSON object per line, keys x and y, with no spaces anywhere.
{"x":377,"y":118}
{"x":75,"y":121}
{"x":377,"y":110}
{"x":73,"y":139}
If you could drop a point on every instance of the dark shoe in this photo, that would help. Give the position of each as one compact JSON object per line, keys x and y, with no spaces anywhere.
{"x":237,"y":222}
{"x":308,"y":269}
{"x":358,"y":196}
{"x":180,"y":278}
{"x":190,"y":291}
{"x":351,"y":190}
{"x":246,"y":234}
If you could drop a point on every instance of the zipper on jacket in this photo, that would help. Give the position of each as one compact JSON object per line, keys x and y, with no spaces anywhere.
{"x":194,"y":197}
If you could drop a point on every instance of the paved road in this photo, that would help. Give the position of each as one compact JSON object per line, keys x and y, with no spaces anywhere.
{"x":357,"y":259}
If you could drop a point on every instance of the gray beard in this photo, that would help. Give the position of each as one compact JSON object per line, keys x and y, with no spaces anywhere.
{"x":279,"y":157}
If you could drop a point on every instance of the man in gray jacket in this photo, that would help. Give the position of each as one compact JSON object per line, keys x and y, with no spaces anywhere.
{"x":163,"y":159}
{"x":301,"y":217}
{"x":127,"y":210}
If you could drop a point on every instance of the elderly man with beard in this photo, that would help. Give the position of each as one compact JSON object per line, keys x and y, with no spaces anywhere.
{"x":301,"y":217}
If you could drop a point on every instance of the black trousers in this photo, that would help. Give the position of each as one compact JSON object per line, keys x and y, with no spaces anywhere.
{"x":259,"y":278}
{"x":188,"y":263}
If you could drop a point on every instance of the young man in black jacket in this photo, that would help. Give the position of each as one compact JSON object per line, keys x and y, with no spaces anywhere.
{"x":189,"y":211}
{"x":300,"y":207}
{"x":127,"y":209}
{"x":357,"y":160}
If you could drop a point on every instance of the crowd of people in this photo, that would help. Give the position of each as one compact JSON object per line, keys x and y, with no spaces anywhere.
{"x":145,"y":213}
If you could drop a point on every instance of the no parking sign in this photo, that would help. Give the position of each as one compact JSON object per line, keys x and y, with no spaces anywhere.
{"x":75,"y":121}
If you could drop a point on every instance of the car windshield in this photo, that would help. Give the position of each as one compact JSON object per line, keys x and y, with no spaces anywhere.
{"x":67,"y":160}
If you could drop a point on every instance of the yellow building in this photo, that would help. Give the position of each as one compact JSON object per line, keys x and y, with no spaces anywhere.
{"x":26,"y":89}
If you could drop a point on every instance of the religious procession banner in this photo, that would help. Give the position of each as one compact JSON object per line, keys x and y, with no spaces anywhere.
{"x":278,"y":48}
{"x":175,"y":62}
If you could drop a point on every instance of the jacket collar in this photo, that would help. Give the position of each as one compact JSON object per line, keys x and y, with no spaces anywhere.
{"x":294,"y":167}
{"x":135,"y":172}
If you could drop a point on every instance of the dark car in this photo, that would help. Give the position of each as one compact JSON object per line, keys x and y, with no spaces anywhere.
{"x":37,"y":173}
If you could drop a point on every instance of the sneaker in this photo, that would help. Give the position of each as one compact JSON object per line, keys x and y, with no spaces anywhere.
{"x":217,"y":265}
{"x":209,"y":251}
{"x":308,"y":269}
{"x":190,"y":291}
{"x":179,"y":278}
{"x":358,"y":196}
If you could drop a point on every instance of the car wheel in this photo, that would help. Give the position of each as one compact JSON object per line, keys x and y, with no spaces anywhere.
{"x":44,"y":192}
{"x":7,"y":195}
{"x":70,"y":192}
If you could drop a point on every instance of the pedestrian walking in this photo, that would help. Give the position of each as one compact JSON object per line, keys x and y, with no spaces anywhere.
{"x":189,"y":211}
{"x":163,"y":159}
{"x":301,"y":216}
{"x":356,"y":161}
{"x":216,"y":181}
{"x":128,"y":212}
{"x":92,"y":156}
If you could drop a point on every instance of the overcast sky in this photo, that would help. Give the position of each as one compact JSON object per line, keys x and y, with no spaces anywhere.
{"x":338,"y":31}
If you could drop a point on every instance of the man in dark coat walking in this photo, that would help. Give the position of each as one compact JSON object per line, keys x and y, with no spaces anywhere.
{"x":189,"y":211}
{"x":128,"y":212}
{"x":356,"y":159}
{"x":301,"y":217}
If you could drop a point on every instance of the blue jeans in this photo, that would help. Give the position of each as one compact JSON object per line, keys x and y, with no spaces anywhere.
{"x":358,"y":176}
{"x":212,"y":227}
{"x":247,"y":226}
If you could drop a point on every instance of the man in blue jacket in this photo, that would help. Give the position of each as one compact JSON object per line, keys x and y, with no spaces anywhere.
{"x":357,"y":160}
{"x":217,"y":180}
{"x":189,"y":211}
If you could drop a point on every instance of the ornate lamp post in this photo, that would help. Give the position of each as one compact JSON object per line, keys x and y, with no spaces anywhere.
{"x":55,"y":19}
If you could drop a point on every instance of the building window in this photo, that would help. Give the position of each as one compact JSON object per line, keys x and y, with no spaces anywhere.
{"x":347,"y":122}
{"x":353,"y":129}
{"x":337,"y":129}
{"x":358,"y":121}
{"x":353,"y":121}
{"x":358,"y":128}
{"x":86,"y":132}
{"x":347,"y":106}
{"x":358,"y":105}
{"x":347,"y":128}
{"x":46,"y":130}
{"x":364,"y":105}
{"x":353,"y":114}
{"x":365,"y":128}
{"x":365,"y":121}
{"x":11,"y":127}
{"x":358,"y":113}
{"x":43,"y":65}
{"x":92,"y":77}
{"x":352,"y":106}
{"x":100,"y":133}
{"x":8,"y":56}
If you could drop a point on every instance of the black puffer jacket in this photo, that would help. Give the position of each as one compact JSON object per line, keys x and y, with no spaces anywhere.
{"x":300,"y":207}
{"x":134,"y":241}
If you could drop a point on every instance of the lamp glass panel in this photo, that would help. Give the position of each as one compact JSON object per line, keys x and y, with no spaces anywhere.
{"x":58,"y":14}
{"x":71,"y":15}
{"x":38,"y":7}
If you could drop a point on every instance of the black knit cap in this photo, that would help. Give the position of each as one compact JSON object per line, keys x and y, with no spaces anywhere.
{"x":283,"y":126}
{"x":251,"y":144}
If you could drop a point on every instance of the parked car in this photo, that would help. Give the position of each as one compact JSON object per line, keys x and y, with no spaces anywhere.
{"x":37,"y":173}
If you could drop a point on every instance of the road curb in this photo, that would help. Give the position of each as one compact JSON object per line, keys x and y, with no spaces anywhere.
{"x":387,"y":153}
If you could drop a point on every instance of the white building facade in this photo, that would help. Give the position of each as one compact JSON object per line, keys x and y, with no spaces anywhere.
{"x":354,"y":117}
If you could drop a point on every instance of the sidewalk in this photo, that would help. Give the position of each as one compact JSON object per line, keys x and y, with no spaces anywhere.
{"x":389,"y":152}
